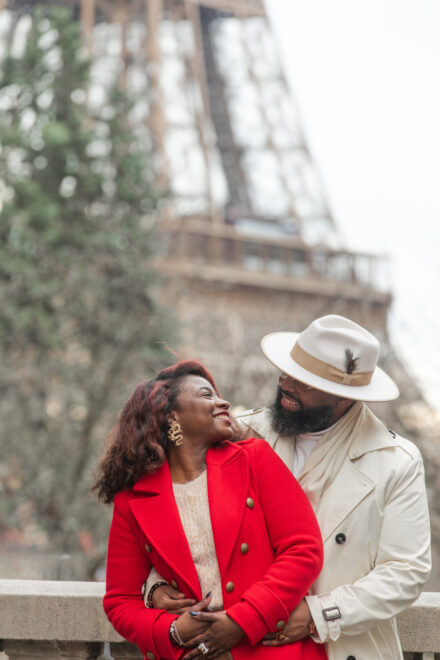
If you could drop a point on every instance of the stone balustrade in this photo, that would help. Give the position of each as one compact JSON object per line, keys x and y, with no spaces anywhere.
{"x":55,"y":620}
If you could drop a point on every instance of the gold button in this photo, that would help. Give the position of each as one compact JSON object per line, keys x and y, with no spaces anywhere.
{"x":147,"y":547}
{"x":230,"y":586}
{"x":150,"y":656}
{"x":244,"y":548}
{"x":250,"y":502}
{"x":280,"y":625}
{"x":174,"y":584}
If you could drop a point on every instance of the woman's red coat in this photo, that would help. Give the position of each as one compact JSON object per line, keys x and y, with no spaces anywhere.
{"x":284,"y":556}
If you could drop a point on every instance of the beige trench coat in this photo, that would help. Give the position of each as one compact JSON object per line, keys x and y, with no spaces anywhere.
{"x":375,"y":526}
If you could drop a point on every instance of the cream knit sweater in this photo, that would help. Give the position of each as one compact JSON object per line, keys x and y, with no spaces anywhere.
{"x":192,"y":503}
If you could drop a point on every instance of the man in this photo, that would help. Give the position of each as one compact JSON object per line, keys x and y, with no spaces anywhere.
{"x":365,"y":483}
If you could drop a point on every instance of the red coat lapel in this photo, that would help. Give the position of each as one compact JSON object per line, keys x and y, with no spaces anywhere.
{"x":158,"y":516}
{"x":228,"y":483}
{"x":159,"y":519}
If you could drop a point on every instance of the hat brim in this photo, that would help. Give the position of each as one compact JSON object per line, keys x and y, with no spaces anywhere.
{"x":277,"y":347}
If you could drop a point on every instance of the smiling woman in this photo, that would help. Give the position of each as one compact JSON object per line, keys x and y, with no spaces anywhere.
{"x":209,"y":515}
{"x":202,"y":417}
{"x":143,"y":437}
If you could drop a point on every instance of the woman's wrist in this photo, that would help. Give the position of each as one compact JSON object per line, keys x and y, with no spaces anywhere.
{"x":149,"y":599}
{"x":174,"y":635}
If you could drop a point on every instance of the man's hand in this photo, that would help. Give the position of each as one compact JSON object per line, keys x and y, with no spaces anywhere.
{"x":173,"y":601}
{"x":295,"y":628}
{"x":223,"y":633}
{"x":238,"y":431}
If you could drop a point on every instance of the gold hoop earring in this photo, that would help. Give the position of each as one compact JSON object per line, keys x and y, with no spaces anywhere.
{"x":175,"y":433}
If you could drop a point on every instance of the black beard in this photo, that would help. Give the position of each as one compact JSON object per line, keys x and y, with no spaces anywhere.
{"x":291,"y":423}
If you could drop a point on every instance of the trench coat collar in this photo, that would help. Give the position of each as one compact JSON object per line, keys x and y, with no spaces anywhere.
{"x":155,"y":509}
{"x":373,"y":437}
{"x":351,"y":480}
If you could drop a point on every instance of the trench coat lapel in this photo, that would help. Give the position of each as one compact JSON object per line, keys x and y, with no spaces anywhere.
{"x":334,"y":507}
{"x":352,"y":485}
{"x":228,"y":484}
{"x":159,"y":519}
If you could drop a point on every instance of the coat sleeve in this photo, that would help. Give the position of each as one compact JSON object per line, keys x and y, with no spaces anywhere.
{"x":127,"y":568}
{"x":401,"y":568}
{"x":296,"y":540}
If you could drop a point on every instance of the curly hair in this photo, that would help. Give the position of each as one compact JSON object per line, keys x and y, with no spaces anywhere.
{"x":138,"y":444}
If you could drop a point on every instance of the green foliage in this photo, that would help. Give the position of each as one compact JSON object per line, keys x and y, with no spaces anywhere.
{"x":79,"y":321}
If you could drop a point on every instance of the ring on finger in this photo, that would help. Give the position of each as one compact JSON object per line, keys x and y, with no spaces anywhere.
{"x":203,"y":648}
{"x":280,"y":636}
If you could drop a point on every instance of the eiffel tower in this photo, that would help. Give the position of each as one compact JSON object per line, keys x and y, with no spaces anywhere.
{"x":250,"y":244}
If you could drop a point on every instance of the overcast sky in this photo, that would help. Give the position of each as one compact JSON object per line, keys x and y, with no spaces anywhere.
{"x":365,"y":75}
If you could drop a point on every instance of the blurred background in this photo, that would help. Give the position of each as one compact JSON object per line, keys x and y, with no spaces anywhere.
{"x":179,"y":178}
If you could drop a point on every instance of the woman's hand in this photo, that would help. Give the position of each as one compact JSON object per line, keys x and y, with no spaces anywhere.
{"x":173,"y":601}
{"x":189,"y":626}
{"x":223,"y":633}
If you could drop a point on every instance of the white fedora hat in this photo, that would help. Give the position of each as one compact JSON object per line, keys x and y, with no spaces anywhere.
{"x":334,"y":355}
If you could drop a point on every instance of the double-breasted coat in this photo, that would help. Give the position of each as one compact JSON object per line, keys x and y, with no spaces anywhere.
{"x":267,"y":540}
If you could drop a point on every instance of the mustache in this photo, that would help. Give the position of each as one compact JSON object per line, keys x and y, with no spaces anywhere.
{"x":290,"y":423}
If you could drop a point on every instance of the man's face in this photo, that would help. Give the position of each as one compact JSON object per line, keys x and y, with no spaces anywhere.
{"x":299,"y":408}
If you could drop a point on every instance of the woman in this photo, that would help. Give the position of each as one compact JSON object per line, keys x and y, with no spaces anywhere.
{"x":210,"y":516}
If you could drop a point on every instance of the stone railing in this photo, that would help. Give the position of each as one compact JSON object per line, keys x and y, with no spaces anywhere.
{"x":55,"y":620}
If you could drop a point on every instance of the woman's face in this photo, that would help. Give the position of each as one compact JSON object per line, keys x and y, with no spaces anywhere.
{"x":203,"y":416}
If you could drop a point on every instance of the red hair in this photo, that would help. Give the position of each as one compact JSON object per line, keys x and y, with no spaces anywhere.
{"x":139,"y":442}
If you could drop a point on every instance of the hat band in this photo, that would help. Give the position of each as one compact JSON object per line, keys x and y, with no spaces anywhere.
{"x":328,"y":371}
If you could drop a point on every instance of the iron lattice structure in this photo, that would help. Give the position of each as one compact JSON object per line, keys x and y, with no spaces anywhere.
{"x":248,"y":223}
{"x":228,"y":140}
